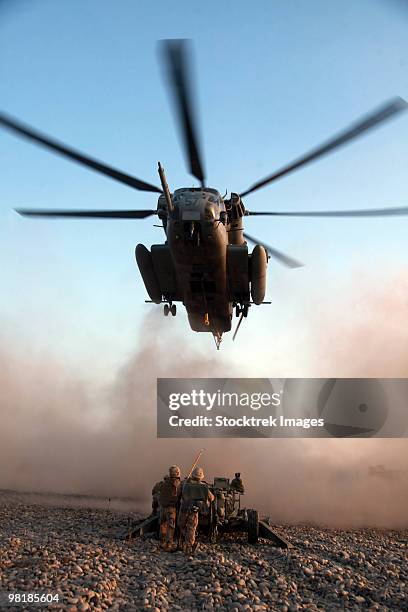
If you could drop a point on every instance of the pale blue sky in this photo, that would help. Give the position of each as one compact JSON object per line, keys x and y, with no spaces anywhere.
{"x":274,"y":79}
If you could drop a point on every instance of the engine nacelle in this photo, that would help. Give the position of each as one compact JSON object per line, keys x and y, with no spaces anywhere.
{"x":259,"y":264}
{"x":145,"y":263}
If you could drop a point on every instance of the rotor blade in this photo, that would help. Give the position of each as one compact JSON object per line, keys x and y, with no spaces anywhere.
{"x":92,"y":214}
{"x":26,"y":131}
{"x":176,"y":55}
{"x":284,"y":259}
{"x":368,"y":122}
{"x":368,"y":212}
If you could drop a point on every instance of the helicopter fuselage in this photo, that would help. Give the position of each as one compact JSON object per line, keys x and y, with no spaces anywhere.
{"x":204,"y":248}
{"x":198,"y":241}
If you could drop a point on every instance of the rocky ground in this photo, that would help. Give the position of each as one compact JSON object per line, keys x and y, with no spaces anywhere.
{"x":61,"y":546}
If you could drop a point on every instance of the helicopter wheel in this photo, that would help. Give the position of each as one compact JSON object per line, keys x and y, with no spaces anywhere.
{"x":173,"y":310}
{"x":245,"y":310}
{"x":166,"y":310}
{"x":237,"y":311}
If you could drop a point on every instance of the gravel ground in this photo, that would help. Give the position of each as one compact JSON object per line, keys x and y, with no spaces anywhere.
{"x":49,"y":545}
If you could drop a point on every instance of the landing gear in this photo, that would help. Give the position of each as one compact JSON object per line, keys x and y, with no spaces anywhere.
{"x":170,"y":308}
{"x":241,"y":309}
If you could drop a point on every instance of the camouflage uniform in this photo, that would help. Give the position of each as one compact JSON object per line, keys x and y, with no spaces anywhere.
{"x":188,"y":523}
{"x":155,"y":495}
{"x":237,"y":484}
{"x":168,"y":496}
{"x":195,"y":499}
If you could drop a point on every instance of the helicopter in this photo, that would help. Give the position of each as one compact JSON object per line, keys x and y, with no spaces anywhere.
{"x":204,"y":262}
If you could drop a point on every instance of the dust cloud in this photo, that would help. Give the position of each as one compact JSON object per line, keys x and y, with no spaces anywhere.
{"x":63,"y":434}
{"x":366,"y":333}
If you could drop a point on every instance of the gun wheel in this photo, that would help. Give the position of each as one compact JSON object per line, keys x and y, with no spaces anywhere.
{"x":253,"y":526}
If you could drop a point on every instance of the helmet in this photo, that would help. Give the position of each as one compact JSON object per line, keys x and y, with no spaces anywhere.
{"x":174,"y":471}
{"x":198,"y":473}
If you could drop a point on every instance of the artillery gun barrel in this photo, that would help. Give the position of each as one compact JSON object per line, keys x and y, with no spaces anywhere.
{"x":196,"y":460}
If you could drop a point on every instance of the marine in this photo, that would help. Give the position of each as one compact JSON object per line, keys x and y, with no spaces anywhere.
{"x":196,"y":499}
{"x":237,"y":484}
{"x":155,"y":495}
{"x":168,"y":495}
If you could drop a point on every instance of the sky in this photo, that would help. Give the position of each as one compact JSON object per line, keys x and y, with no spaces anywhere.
{"x":273,"y":78}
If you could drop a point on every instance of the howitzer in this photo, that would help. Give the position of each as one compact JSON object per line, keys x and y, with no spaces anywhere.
{"x":225,"y":515}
